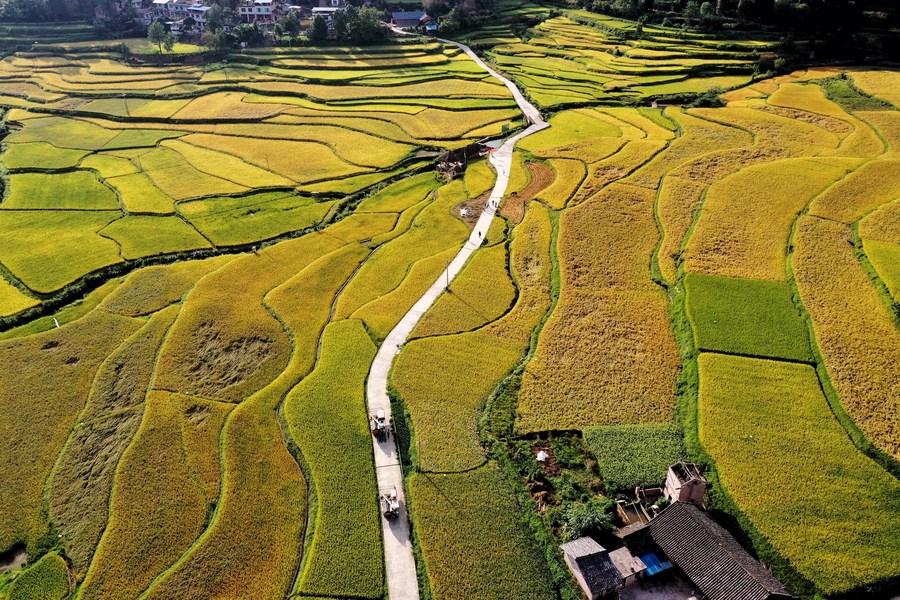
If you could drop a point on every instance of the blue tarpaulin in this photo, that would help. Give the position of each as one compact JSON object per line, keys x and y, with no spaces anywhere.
{"x":655,"y":563}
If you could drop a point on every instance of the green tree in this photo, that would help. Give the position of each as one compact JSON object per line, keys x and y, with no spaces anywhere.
{"x":586,"y":518}
{"x":156,"y":33}
{"x":218,"y":41}
{"x":364,"y":25}
{"x":168,"y":41}
{"x":214,"y":18}
{"x":692,"y":11}
{"x":290,"y":25}
{"x":319,"y":30}
{"x":247,"y":34}
{"x":341,"y":22}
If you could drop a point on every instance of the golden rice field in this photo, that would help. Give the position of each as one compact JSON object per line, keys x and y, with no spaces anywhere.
{"x":199,"y":262}
{"x":768,"y":427}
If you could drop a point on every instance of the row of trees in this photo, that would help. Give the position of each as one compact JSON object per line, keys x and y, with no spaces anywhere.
{"x":805,"y":15}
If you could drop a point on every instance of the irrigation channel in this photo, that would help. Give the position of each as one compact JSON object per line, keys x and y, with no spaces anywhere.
{"x":400,"y":565}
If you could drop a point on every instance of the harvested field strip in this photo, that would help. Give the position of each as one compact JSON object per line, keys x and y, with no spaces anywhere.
{"x":747,"y":217}
{"x":589,"y":367}
{"x":540,"y":177}
{"x":868,"y":187}
{"x":473,"y":544}
{"x":267,"y":493}
{"x":445,"y":410}
{"x":157,"y":508}
{"x":772,"y":435}
{"x":856,"y":335}
{"x":345,"y":556}
{"x":746,"y":317}
{"x":39,"y":412}
{"x":82,"y":479}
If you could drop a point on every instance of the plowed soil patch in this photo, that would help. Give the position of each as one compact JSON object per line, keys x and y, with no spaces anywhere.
{"x":541,"y":178}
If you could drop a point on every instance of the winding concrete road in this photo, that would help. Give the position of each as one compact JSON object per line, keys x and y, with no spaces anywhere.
{"x":398,"y":555}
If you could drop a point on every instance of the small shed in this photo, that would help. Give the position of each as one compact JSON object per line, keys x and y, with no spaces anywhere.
{"x":592,"y":567}
{"x":629,"y":566}
{"x":410,"y":19}
{"x":684,"y":483}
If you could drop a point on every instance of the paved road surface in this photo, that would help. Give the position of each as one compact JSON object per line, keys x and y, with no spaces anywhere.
{"x":399,"y":561}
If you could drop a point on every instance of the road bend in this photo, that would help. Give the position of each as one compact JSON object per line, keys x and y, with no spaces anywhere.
{"x":400,"y":566}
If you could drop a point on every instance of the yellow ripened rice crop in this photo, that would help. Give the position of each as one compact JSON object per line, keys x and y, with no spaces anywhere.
{"x":857,"y":337}
{"x":592,"y":365}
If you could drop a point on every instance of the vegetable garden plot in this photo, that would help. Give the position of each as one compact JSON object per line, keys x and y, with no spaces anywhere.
{"x":635,"y":455}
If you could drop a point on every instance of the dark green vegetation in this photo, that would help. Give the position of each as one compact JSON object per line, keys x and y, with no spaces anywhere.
{"x":635,"y":455}
{"x":746,"y":316}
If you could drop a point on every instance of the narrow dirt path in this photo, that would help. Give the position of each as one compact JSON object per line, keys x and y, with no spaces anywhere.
{"x":398,"y":554}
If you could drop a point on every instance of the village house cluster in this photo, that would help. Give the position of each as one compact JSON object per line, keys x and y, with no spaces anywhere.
{"x":183,"y":15}
{"x":681,"y":537}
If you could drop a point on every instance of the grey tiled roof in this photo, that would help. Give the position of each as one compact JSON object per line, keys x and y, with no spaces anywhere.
{"x":711,"y":557}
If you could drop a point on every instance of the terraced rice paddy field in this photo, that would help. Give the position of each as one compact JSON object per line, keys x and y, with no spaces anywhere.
{"x":199,"y":264}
